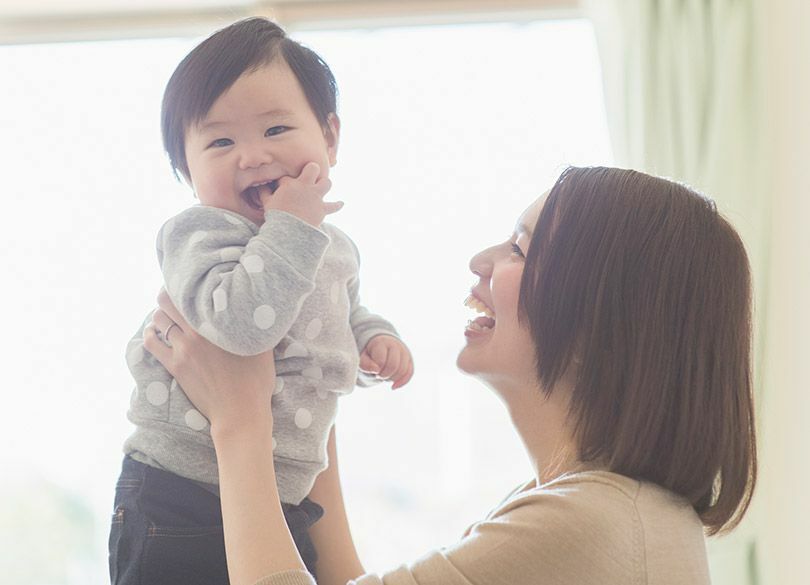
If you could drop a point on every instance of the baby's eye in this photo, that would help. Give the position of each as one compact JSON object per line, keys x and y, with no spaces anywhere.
{"x":276,"y":130}
{"x":220,"y":143}
{"x":516,"y":250}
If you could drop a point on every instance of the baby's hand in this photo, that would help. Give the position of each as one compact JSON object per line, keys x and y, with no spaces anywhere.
{"x":387,"y":358}
{"x":302,"y":196}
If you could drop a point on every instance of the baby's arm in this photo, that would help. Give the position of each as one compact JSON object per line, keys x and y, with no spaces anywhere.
{"x":239,"y":287}
{"x":382,"y":354}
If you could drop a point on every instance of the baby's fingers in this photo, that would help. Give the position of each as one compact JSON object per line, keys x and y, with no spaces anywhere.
{"x":310,"y":173}
{"x":367,"y":364}
{"x":391,"y":363}
{"x":330,"y":207}
{"x":400,"y":381}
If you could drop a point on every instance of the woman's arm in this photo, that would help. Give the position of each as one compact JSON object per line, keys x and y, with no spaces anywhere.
{"x":338,"y":562}
{"x":234,"y":393}
{"x":257,"y":540}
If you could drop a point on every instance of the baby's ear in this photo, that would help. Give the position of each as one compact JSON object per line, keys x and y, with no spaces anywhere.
{"x":332,"y":135}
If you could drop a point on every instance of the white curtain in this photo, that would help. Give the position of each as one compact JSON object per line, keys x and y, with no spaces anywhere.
{"x":684,"y":100}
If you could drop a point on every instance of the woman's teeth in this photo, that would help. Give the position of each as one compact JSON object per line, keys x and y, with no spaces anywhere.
{"x":483,"y":323}
{"x":479,"y":307}
{"x":476,"y":326}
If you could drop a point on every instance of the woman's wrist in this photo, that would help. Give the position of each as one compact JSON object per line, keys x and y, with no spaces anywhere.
{"x":257,"y":538}
{"x":257,"y":429}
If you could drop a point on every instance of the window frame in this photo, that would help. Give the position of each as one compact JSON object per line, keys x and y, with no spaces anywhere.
{"x":21,"y":26}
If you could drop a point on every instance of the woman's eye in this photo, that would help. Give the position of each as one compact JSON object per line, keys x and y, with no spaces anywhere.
{"x":221,"y":142}
{"x":516,"y":250}
{"x":276,"y":130}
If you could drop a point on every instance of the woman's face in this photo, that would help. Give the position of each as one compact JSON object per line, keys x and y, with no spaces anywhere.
{"x":498,"y":349}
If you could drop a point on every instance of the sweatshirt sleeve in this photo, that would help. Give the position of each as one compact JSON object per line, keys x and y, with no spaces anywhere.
{"x":364,"y":323}
{"x":238,"y":286}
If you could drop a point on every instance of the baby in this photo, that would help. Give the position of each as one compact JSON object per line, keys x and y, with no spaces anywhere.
{"x":249,"y":120}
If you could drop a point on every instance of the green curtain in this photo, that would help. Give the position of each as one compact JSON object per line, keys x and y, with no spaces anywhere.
{"x":684,"y":100}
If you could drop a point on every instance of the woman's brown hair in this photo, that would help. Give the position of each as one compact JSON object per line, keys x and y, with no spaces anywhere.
{"x":640,"y":285}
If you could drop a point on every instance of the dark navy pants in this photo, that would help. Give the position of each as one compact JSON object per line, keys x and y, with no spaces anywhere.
{"x":167,"y":530}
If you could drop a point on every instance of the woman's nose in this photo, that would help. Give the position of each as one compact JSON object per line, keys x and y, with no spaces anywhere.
{"x":481,"y":263}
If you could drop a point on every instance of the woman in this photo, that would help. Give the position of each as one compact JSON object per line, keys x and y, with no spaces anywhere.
{"x":617,"y":332}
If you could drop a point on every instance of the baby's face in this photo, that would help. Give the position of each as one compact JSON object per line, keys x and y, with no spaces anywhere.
{"x":261,"y":129}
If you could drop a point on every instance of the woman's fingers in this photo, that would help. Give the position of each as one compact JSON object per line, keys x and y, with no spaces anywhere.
{"x":156,"y":346}
{"x":162,"y":322}
{"x":167,"y":306}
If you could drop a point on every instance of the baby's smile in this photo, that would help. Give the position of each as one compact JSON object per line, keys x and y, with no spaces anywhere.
{"x":252,"y":195}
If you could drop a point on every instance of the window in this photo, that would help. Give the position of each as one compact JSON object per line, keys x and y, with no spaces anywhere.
{"x":448,"y":132}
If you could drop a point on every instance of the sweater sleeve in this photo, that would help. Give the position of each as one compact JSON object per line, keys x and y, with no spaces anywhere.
{"x":239,"y":287}
{"x":543,"y":537}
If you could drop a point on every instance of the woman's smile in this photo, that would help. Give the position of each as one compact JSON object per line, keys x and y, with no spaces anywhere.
{"x":484,"y":323}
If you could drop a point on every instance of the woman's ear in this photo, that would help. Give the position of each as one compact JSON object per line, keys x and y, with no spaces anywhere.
{"x":332,"y":135}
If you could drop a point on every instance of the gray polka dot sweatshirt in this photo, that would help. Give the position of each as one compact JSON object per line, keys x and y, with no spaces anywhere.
{"x":285,"y":286}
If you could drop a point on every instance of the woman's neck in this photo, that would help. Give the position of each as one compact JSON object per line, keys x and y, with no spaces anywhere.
{"x":543,"y":425}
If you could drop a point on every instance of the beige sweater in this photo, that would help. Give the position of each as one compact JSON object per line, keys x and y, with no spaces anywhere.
{"x":587,"y":528}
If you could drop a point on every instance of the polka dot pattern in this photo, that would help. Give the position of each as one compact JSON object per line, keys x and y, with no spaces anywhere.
{"x":197,"y":237}
{"x":313,"y":329}
{"x":168,"y":228}
{"x":279,"y":388}
{"x":157,"y":393}
{"x":220,"y":298}
{"x":303,"y":418}
{"x":253,"y":263}
{"x":322,"y":394}
{"x":208,"y":331}
{"x":275,"y":443}
{"x":264,"y":316}
{"x":195,"y":420}
{"x":175,"y":286}
{"x":296,"y":349}
{"x":233,"y":219}
{"x":135,"y":354}
{"x":230,"y":254}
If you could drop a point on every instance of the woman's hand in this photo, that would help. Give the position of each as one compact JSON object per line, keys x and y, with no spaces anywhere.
{"x":234,"y":393}
{"x":231,"y":391}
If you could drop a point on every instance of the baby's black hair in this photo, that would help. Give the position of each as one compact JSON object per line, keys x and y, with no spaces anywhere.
{"x":215,"y":64}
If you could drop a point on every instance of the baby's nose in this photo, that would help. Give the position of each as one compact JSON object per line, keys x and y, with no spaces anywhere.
{"x":252,"y":158}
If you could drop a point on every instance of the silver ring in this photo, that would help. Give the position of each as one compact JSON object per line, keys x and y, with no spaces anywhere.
{"x":166,"y":334}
